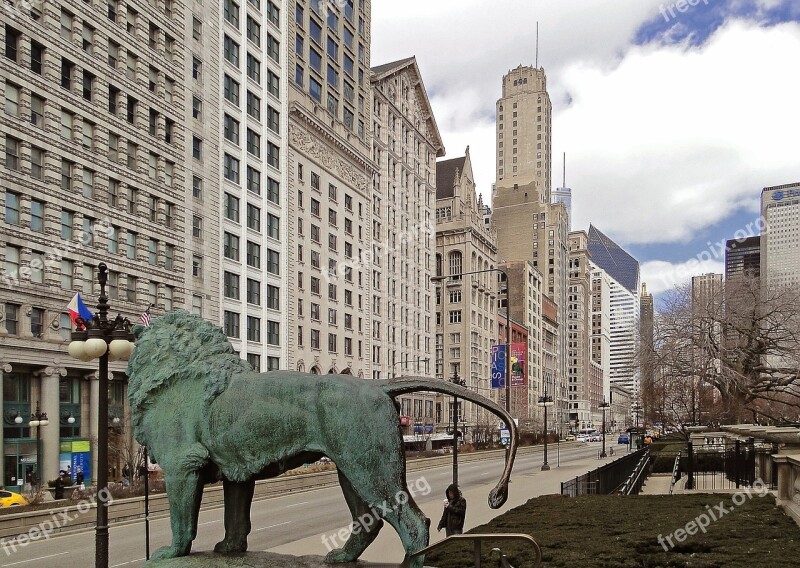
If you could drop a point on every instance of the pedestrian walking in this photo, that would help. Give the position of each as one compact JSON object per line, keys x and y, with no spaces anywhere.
{"x":455,"y":510}
{"x":79,"y":479}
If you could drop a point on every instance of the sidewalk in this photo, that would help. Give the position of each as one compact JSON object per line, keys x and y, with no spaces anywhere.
{"x":524,"y":486}
{"x":657,"y":484}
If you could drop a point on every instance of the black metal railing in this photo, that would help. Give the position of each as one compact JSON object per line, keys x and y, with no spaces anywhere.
{"x":676,"y":473}
{"x":605,"y":479}
{"x":729,"y":466}
{"x":633,"y":485}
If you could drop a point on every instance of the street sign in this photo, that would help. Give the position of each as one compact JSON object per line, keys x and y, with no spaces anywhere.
{"x":505,"y":436}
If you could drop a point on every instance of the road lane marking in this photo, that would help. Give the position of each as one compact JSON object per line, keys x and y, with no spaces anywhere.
{"x":271,"y":526}
{"x":40,"y":558}
{"x":298,"y":504}
{"x":210,"y":522}
{"x":129,"y":562}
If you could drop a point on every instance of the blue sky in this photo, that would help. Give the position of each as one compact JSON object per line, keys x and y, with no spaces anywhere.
{"x":671,"y":125}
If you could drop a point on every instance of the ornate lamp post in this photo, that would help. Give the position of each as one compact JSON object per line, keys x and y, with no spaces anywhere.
{"x":604,"y":405}
{"x":105,"y":340}
{"x":545,"y":402}
{"x":38,"y":419}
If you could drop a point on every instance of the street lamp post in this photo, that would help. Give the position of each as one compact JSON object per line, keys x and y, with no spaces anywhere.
{"x":545,"y":402}
{"x":604,"y":405}
{"x":102,"y":339}
{"x":456,"y":380}
{"x":417,"y":360}
{"x":38,"y":419}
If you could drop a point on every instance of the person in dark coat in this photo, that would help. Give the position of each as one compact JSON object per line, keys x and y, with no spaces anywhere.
{"x":454,"y":511}
{"x":59,"y":488}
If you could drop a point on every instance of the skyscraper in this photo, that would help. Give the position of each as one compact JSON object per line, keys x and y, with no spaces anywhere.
{"x":743,"y":257}
{"x":615,"y":260}
{"x":623,"y":276}
{"x":780,"y":240}
{"x":109,"y":157}
{"x":529,"y":226}
{"x":330,"y":179}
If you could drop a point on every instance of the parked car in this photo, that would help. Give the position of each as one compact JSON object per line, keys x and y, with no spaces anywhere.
{"x":9,"y":499}
{"x":569,"y":438}
{"x":583,"y":437}
{"x":624,"y":439}
{"x":596,"y":438}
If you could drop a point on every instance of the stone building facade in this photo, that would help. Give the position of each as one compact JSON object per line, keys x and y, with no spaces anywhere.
{"x":466,"y":307}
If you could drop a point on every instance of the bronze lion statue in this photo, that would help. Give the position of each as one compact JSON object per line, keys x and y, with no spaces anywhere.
{"x":206,"y":416}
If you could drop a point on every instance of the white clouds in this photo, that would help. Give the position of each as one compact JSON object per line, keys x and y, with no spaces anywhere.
{"x":661,"y":276}
{"x":674,"y":139}
{"x":661,"y":140}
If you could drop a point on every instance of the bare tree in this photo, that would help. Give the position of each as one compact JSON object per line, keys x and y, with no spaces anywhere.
{"x":727,"y":355}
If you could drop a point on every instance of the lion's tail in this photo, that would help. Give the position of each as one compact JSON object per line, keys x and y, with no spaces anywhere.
{"x":403,"y":385}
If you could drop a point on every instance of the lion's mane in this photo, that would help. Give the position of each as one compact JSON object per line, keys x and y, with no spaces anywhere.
{"x":199,"y":351}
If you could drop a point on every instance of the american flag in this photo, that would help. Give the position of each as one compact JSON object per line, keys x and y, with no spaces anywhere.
{"x":145,"y":317}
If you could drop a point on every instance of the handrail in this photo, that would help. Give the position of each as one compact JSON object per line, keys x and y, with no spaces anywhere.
{"x":635,"y":476}
{"x":477,"y":540}
{"x":675,"y":473}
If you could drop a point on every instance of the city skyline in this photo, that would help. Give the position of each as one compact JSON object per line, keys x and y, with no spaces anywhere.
{"x":679,"y":76}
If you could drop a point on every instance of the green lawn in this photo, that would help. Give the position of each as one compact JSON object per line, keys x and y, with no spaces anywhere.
{"x":611,"y":531}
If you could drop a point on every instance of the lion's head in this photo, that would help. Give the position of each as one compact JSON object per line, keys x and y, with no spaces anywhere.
{"x":179,"y":346}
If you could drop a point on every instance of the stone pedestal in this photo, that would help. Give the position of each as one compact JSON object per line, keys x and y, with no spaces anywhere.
{"x":255,"y":560}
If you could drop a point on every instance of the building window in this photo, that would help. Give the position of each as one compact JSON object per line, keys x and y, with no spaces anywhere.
{"x":253,"y":217}
{"x":253,"y":292}
{"x":273,"y":333}
{"x":231,"y":129}
{"x":253,"y":254}
{"x":253,"y":180}
{"x":197,"y":148}
{"x":231,"y":285}
{"x":253,"y":106}
{"x":197,"y":266}
{"x":253,"y":328}
{"x":231,"y":207}
{"x":231,"y":51}
{"x":231,"y":89}
{"x":273,"y":262}
{"x":230,"y":246}
{"x":253,"y":142}
{"x":273,"y":190}
{"x":273,"y":155}
{"x":254,"y":69}
{"x":230,"y":168}
{"x":197,"y":227}
{"x":255,"y":361}
{"x":231,"y":323}
{"x":273,"y":297}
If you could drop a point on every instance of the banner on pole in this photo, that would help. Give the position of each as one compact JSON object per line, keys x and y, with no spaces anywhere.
{"x":519,"y":377}
{"x":498,"y":366}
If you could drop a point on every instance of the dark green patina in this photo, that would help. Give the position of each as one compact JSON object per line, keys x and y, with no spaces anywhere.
{"x":206,"y":416}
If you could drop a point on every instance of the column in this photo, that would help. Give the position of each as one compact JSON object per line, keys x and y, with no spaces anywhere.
{"x":94,"y":401}
{"x":50,"y":436}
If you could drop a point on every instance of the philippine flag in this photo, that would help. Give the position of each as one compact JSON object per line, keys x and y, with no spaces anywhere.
{"x":77,"y":309}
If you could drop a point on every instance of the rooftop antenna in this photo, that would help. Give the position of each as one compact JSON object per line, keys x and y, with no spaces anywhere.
{"x":565,"y":170}
{"x":537,"y":44}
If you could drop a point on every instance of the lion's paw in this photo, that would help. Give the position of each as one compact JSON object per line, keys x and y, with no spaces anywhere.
{"x":230,"y":547}
{"x":338,"y":555}
{"x":165,"y":552}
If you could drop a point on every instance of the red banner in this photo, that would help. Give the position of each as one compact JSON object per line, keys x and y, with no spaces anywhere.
{"x":519,"y":371}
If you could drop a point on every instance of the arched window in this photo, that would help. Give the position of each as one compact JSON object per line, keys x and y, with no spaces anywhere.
{"x":301,"y":367}
{"x":347,"y":371}
{"x":332,"y":371}
{"x":456,"y":264}
{"x":315,"y":370}
{"x":438,"y":264}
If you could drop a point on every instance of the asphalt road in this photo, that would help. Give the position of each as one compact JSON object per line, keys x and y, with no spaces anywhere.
{"x":296,"y":523}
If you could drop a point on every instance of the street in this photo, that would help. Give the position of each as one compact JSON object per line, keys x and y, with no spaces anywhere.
{"x":296,"y":523}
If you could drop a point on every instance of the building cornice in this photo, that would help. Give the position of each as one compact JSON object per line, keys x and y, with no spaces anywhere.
{"x":323,"y":131}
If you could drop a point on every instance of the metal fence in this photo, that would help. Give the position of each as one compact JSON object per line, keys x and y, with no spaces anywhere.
{"x":605,"y":479}
{"x":729,"y":466}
